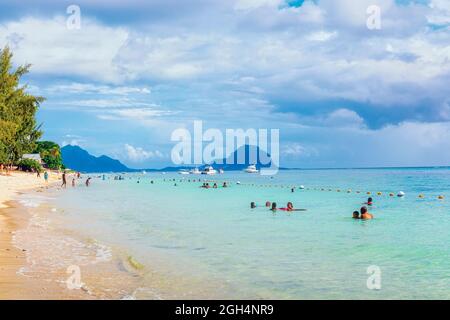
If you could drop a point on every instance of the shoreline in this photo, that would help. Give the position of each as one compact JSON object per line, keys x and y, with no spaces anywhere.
{"x":23,"y":248}
{"x":36,"y":262}
{"x":11,"y":257}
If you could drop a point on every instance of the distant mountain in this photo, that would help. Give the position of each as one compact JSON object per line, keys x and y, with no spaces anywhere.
{"x":246,"y":151}
{"x":78,"y":159}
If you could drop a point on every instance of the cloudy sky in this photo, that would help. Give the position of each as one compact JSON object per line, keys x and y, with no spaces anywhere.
{"x":340,"y":93}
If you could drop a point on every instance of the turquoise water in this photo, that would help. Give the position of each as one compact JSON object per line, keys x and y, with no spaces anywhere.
{"x":214,"y":237}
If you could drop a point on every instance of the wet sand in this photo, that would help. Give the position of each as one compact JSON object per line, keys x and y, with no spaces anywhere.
{"x":32,"y":267}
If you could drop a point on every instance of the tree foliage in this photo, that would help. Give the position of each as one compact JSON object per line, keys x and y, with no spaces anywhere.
{"x":50,"y":153}
{"x":18,"y":128}
{"x":29,"y":165}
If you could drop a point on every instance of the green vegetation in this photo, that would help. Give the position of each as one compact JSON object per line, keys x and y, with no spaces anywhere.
{"x":19,"y":131}
{"x":50,"y":153}
{"x":29,"y":165}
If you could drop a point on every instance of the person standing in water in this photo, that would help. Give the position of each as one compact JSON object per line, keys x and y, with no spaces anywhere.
{"x":64,"y":181}
{"x":46,"y":176}
{"x":73,"y":182}
{"x":365,"y":215}
{"x":355,"y":215}
{"x":88,"y":181}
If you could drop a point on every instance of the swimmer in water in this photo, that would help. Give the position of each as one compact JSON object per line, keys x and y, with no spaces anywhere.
{"x":268,"y":204}
{"x":365,"y":215}
{"x":215,"y":185}
{"x":224,"y":185}
{"x":252,"y":205}
{"x":369,"y":201}
{"x":355,"y":215}
{"x":290,"y":206}
{"x":274,"y":206}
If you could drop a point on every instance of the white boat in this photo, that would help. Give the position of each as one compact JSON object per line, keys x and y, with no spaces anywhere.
{"x":209,"y":170}
{"x":195,"y":171}
{"x":251,"y":169}
{"x":183,"y":172}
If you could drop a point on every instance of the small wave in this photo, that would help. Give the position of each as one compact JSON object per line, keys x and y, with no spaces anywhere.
{"x":142,"y":293}
{"x":30,"y":203}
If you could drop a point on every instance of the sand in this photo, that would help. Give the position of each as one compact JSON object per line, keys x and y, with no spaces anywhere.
{"x":11,"y":258}
{"x":11,"y":184}
{"x":100,"y":281}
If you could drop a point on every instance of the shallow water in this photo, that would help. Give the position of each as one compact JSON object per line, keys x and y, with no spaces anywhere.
{"x":216,"y":246}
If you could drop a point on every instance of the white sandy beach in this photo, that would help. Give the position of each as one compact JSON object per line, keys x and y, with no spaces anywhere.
{"x":16,"y":182}
{"x":15,"y":253}
{"x":11,"y":258}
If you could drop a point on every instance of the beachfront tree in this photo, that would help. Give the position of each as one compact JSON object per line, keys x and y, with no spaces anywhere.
{"x":18,"y":128}
{"x":50,"y":153}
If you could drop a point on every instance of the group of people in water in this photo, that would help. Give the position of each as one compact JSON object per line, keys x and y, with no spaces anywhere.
{"x":206,"y":185}
{"x":74,"y":178}
{"x":273,"y":206}
{"x":364,"y":214}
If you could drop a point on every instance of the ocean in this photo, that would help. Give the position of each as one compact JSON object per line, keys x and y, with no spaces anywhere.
{"x":189,"y":242}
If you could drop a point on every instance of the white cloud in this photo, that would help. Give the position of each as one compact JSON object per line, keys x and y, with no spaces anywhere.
{"x":321,"y":36}
{"x":440,"y":13}
{"x":54,"y":49}
{"x":137,"y":154}
{"x":297,"y":150}
{"x":84,"y":88}
{"x":343,"y":118}
{"x":254,"y":4}
{"x":139,"y":113}
{"x":321,"y":50}
{"x":107,"y":103}
{"x":73,"y":142}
